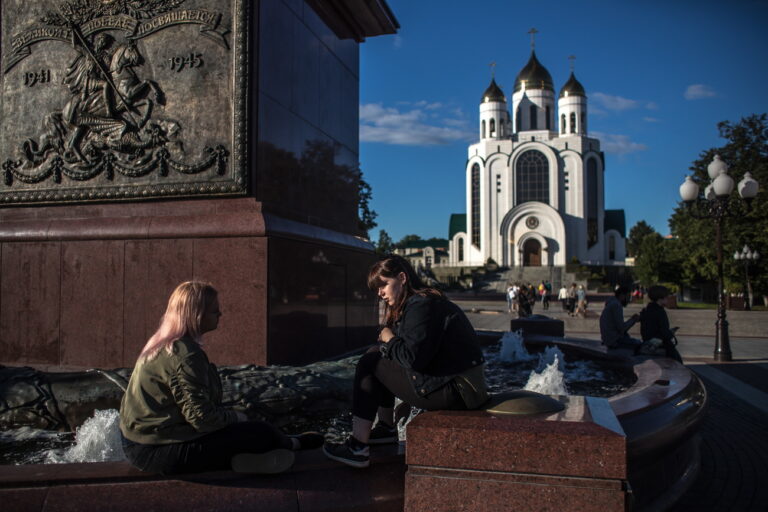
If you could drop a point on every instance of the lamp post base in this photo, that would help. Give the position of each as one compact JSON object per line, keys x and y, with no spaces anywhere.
{"x":722,"y":341}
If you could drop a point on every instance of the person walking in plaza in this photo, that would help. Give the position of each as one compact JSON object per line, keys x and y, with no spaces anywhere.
{"x":544,"y":294}
{"x":171,"y":416}
{"x":562,"y":296}
{"x":511,"y":298}
{"x":581,"y":301}
{"x":572,"y":296}
{"x":613,"y":328}
{"x":428,"y":355}
{"x":654,"y":322}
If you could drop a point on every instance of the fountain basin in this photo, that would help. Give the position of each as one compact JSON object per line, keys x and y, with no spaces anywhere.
{"x":660,"y":414}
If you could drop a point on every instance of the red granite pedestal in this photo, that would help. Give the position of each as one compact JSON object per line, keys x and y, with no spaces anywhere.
{"x":473,"y":461}
{"x":84,"y":286}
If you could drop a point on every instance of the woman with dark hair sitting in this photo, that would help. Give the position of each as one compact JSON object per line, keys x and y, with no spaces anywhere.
{"x":171,"y":417}
{"x":654,"y":322}
{"x":428,"y":356}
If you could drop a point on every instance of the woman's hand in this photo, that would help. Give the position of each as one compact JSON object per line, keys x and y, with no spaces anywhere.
{"x":386,"y":334}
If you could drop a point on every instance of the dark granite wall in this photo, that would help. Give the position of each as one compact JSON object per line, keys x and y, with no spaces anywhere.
{"x":307,"y":118}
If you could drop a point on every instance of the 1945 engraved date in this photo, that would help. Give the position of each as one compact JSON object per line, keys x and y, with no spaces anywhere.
{"x":191,"y":61}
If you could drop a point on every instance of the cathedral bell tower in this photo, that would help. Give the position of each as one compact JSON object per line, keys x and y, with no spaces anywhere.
{"x":494,"y":116}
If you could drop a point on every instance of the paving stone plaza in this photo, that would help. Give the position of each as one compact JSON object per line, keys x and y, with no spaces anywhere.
{"x":734,"y":449}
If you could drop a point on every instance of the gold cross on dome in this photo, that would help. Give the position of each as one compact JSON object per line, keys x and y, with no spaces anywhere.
{"x":493,"y":69}
{"x":572,"y":58}
{"x":533,"y":33}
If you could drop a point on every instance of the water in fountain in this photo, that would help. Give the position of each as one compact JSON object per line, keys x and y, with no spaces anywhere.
{"x":513,"y":349}
{"x":96,"y":440}
{"x":550,"y":380}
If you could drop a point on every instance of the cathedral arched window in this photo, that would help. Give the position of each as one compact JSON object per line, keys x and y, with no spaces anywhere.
{"x":549,"y":114}
{"x":518,"y":119}
{"x":592,"y":202}
{"x":476,"y":205}
{"x":492,"y":130}
{"x":573,"y":122}
{"x":583,"y":124}
{"x":534,"y":120}
{"x":532,"y":177}
{"x":461,"y":249}
{"x":482,"y":130}
{"x":562,"y":123}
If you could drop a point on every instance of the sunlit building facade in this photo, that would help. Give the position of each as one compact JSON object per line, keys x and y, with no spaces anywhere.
{"x":535,"y":181}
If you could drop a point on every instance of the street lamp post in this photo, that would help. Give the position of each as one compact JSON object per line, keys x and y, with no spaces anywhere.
{"x":748,"y":257}
{"x":716,"y":206}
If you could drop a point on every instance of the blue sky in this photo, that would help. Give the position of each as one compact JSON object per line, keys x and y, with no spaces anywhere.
{"x":659,"y":77}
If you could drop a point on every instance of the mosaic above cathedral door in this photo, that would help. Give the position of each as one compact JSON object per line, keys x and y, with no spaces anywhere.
{"x":121,"y":99}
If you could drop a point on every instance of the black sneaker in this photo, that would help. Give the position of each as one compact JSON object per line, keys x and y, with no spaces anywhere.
{"x":383,"y":434}
{"x":351,"y":452}
{"x":309,"y":440}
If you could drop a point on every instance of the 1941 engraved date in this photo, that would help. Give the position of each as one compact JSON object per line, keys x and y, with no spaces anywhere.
{"x":32,"y":78}
{"x":191,"y":61}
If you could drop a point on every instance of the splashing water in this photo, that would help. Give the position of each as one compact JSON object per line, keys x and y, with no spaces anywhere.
{"x":551,"y":353}
{"x":96,"y":440}
{"x":512,"y":347}
{"x":550,"y":381}
{"x":403,"y":423}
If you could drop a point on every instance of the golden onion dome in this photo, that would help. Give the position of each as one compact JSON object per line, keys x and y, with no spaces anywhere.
{"x":572,"y":88}
{"x":534,"y":76}
{"x":493,"y":93}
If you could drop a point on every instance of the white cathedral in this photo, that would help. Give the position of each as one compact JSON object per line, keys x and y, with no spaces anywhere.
{"x":535,"y":181}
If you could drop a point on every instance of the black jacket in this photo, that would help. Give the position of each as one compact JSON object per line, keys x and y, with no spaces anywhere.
{"x":434,"y":342}
{"x":654,"y":323}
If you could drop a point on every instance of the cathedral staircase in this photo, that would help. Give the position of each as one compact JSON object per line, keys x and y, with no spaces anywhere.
{"x":556,"y":275}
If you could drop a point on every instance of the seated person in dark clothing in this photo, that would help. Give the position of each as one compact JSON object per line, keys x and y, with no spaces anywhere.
{"x":613,"y":328}
{"x":654,"y":322}
{"x":428,"y":355}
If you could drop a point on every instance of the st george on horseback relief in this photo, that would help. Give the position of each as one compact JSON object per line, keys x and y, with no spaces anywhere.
{"x":121,"y":99}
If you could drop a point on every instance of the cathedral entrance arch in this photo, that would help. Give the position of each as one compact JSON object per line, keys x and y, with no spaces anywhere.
{"x":532,"y":253}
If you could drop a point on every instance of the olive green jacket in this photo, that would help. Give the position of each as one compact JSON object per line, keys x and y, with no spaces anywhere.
{"x":174,"y":397}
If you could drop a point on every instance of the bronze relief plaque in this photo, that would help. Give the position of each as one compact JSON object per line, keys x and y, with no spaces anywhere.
{"x":122,"y":99}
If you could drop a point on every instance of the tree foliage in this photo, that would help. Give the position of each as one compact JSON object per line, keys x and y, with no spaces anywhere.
{"x":384,"y":244}
{"x":746,"y":149}
{"x":366,"y":215}
{"x":658,"y":260}
{"x":636,"y":236}
{"x":407,"y":238}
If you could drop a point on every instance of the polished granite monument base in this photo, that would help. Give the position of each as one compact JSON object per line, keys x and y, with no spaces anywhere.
{"x":85,"y":286}
{"x":483,"y":462}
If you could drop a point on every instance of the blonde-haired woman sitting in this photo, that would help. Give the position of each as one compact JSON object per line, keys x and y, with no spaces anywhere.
{"x":171,"y":417}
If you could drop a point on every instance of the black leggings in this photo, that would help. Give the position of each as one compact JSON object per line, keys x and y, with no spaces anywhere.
{"x":378,"y":381}
{"x":211,"y":452}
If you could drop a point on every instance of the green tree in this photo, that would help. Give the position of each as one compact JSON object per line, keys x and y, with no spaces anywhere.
{"x":658,"y":260}
{"x":650,"y":259}
{"x":746,"y":150}
{"x":367,"y":217}
{"x":636,"y":236}
{"x":384,"y":245}
{"x":407,"y":238}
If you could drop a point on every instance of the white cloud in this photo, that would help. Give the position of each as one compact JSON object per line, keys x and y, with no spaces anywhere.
{"x":397,"y":41}
{"x":411,"y":127}
{"x":616,"y":103}
{"x":617,"y":144}
{"x":652,"y":105}
{"x":651,"y":120}
{"x":699,"y":91}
